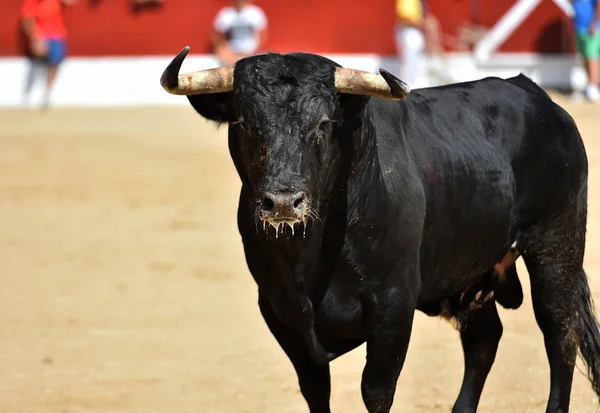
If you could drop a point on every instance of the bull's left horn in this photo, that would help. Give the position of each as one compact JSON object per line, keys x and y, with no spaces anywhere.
{"x":208,"y":81}
{"x":358,"y":82}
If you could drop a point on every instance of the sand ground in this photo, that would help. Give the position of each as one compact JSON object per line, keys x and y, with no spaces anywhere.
{"x":123,"y":286}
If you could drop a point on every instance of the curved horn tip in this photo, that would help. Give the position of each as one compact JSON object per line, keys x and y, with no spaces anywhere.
{"x":170,"y":77}
{"x":399,"y":88}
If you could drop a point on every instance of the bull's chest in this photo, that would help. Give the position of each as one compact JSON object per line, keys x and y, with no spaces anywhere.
{"x":337,"y":313}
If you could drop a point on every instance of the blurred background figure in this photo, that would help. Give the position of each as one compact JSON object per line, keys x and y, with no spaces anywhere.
{"x":46,"y":33}
{"x":434,"y":48}
{"x":239,"y":31}
{"x":410,"y":40}
{"x":468,"y":31}
{"x":587,"y":37}
{"x":433,"y":32}
{"x":418,"y":36}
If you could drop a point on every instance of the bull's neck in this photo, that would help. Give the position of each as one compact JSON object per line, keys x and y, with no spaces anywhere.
{"x":364,"y":177}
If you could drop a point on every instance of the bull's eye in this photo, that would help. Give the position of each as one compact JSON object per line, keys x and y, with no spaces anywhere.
{"x":244,"y":127}
{"x":242,"y":124}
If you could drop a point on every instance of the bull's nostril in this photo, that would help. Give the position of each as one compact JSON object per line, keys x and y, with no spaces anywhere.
{"x":268,"y":204}
{"x":298,"y":202}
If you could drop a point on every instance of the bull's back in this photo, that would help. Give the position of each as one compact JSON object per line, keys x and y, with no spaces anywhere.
{"x":504,"y":128}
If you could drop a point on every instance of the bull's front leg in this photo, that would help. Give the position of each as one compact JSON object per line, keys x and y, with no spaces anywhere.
{"x":313,"y":378}
{"x":389,"y":314}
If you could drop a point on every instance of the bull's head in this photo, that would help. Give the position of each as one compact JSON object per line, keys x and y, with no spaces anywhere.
{"x":283,"y":112}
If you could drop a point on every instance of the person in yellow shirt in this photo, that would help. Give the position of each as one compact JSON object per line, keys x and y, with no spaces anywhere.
{"x":410,"y":40}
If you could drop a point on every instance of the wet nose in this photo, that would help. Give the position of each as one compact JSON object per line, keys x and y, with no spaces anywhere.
{"x":284,"y":204}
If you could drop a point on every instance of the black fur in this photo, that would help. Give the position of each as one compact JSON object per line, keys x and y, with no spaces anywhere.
{"x":412,"y":204}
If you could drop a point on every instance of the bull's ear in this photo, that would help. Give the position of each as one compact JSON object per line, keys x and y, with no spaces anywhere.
{"x":216,"y":107}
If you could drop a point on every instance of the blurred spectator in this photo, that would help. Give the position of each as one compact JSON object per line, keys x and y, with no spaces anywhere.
{"x":239,"y":31}
{"x":587,"y":23}
{"x":433,"y":32}
{"x":470,"y":32}
{"x":410,"y":39}
{"x":47,"y":36}
{"x":434,"y":41}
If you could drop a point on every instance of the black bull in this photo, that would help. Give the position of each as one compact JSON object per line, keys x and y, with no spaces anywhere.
{"x":357,"y":209}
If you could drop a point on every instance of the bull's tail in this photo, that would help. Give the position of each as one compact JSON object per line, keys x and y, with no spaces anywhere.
{"x":590,"y":338}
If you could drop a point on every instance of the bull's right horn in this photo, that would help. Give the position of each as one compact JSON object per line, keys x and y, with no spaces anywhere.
{"x":208,"y":81}
{"x":357,"y":82}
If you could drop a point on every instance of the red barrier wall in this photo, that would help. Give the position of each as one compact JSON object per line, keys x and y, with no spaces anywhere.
{"x":112,"y":27}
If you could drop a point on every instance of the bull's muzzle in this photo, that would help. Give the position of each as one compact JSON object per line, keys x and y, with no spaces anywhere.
{"x":283,"y":206}
{"x":281,"y":210}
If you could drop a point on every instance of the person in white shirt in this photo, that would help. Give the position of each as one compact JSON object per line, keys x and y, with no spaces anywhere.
{"x":239,"y":31}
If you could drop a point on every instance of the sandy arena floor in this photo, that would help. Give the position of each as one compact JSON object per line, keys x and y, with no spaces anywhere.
{"x":123,"y":287}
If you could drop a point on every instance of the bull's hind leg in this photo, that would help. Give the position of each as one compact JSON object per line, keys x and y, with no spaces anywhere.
{"x":553,"y":254}
{"x":553,"y":295}
{"x":554,"y":302}
{"x":480,"y":337}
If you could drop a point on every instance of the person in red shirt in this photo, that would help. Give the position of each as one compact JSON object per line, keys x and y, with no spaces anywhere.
{"x":47,"y":35}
